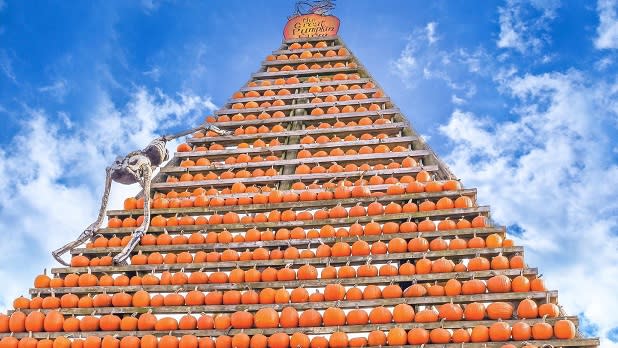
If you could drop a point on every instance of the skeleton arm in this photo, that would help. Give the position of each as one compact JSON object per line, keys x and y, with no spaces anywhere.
{"x":91,"y":230}
{"x":206,"y":126}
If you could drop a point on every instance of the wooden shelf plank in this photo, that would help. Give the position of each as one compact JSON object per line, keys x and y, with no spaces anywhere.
{"x":463,"y":233}
{"x":425,"y":301}
{"x":295,"y":263}
{"x":161,"y":186}
{"x":298,"y":205}
{"x":435,"y":214}
{"x":318,"y":283}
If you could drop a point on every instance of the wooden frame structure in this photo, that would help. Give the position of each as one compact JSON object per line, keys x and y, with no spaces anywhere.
{"x":336,"y":67}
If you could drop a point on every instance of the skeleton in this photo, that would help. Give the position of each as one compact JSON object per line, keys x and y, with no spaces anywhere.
{"x":135,"y":167}
{"x":320,"y":7}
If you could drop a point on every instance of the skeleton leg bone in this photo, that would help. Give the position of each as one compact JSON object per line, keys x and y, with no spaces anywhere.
{"x":137,"y":235}
{"x":90,"y":231}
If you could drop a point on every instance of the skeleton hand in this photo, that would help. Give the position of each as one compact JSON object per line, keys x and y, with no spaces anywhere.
{"x":57,"y":255}
{"x":89,"y":233}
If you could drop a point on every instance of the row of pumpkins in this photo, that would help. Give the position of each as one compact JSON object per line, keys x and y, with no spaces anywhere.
{"x":269,"y":318}
{"x":287,"y":273}
{"x":314,"y":66}
{"x":358,"y":247}
{"x":319,"y":111}
{"x":306,"y":140}
{"x":306,"y":54}
{"x":331,"y":292}
{"x":325,"y":82}
{"x":241,"y":194}
{"x":314,"y":89}
{"x":344,"y":189}
{"x":303,"y":153}
{"x":340,"y":249}
{"x":497,"y":332}
{"x":289,"y":215}
{"x":326,"y":191}
{"x":302,"y":169}
{"x":340,"y":79}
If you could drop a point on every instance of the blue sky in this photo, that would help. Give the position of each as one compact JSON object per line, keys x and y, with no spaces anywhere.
{"x":519,"y":97}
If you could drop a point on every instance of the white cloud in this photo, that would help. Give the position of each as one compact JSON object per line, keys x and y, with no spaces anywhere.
{"x":58,"y":89}
{"x":524,"y":25}
{"x":150,"y":6}
{"x":405,"y":65}
{"x":603,"y":63}
{"x":53,"y":171}
{"x":412,"y":62}
{"x":548,"y":170}
{"x":421,"y":58}
{"x":457,"y":100}
{"x":153,"y":73}
{"x":6,"y":65}
{"x":607,"y":31}
{"x":430,"y":30}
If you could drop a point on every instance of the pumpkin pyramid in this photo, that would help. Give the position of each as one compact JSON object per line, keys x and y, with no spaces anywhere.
{"x":323,"y":221}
